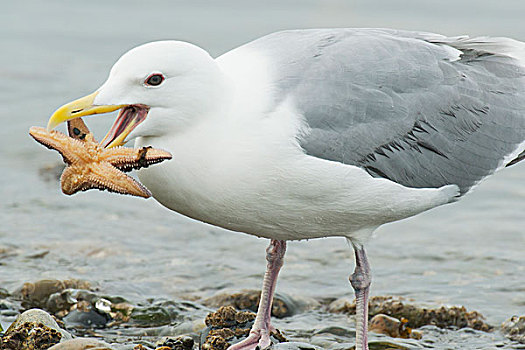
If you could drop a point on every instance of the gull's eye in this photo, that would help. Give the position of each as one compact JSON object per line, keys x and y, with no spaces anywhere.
{"x":154,"y":79}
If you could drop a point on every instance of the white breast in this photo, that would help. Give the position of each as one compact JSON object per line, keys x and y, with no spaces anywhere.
{"x":229,"y":176}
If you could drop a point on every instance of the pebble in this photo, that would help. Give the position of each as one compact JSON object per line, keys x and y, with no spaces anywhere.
{"x":34,"y":329}
{"x":228,"y":326}
{"x":37,"y":294}
{"x":392,"y":327}
{"x":38,"y":316}
{"x":82,"y":344}
{"x":154,"y":315}
{"x":514,"y":329}
{"x":178,"y":343}
{"x":86,"y":318}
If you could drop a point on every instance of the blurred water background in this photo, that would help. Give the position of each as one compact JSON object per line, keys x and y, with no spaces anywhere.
{"x":470,"y":253}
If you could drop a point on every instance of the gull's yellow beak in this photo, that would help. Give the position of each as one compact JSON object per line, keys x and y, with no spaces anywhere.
{"x":78,"y":108}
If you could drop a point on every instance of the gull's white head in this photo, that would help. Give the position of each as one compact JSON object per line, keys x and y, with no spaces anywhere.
{"x":159,"y":87}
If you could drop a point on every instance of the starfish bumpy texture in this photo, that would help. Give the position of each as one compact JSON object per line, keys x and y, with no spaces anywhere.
{"x":91,"y":166}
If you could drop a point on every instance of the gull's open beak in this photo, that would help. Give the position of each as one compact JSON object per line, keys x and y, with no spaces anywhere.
{"x":129,"y":117}
{"x":79,"y":108}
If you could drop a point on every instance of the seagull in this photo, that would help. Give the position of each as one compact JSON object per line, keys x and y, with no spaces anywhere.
{"x":305,"y":134}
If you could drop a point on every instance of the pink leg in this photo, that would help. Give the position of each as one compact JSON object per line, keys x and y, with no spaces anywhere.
{"x":259,"y":337}
{"x":360,"y":281}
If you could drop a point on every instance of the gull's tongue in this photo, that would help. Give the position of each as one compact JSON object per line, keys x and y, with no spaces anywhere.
{"x":128,"y":118}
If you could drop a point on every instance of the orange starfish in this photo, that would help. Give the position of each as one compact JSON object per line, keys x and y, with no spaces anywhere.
{"x":90,"y":166}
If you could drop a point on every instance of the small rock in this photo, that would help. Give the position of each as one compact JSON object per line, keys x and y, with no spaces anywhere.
{"x":179,"y":343}
{"x":33,"y":330}
{"x":215,"y":343}
{"x":392,"y":327}
{"x":60,"y":303}
{"x":101,"y":309}
{"x":514,"y":328}
{"x":227,"y":316}
{"x":417,"y":316}
{"x":82,"y":344}
{"x":227,"y":326}
{"x":121,"y":312}
{"x":283,"y":305}
{"x":30,"y":336}
{"x":37,"y":316}
{"x":85,"y":316}
{"x":156,"y":313}
{"x":36,"y":295}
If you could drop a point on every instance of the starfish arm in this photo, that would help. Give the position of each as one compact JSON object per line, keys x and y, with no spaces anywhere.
{"x":70,"y":149}
{"x":102,"y":176}
{"x":127,"y":159}
{"x":72,"y":179}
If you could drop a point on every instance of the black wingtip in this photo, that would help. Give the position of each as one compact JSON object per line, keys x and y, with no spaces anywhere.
{"x":516,"y":160}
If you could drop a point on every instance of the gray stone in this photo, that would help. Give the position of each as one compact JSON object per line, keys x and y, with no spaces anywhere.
{"x":514,"y":328}
{"x":37,"y":316}
{"x":82,"y":344}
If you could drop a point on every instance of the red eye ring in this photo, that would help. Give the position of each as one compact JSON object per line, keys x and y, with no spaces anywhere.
{"x":154,"y":79}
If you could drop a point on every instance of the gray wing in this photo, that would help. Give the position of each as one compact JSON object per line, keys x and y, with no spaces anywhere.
{"x":405,"y":106}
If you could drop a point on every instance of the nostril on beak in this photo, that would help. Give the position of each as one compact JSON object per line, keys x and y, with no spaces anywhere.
{"x":77,"y":110}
